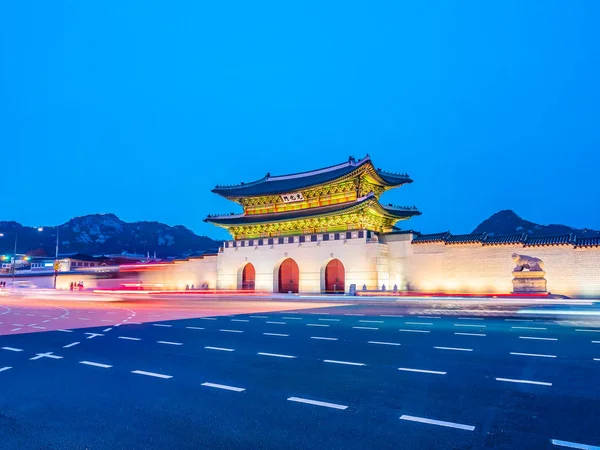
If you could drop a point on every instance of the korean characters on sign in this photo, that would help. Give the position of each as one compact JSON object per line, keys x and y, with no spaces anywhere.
{"x":292,"y":197}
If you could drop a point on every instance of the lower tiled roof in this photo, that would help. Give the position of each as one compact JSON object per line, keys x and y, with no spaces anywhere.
{"x":588,"y":242}
{"x":429,"y":238}
{"x":465,"y":238}
{"x":505,"y":239}
{"x":509,"y":239}
{"x":564,"y":239}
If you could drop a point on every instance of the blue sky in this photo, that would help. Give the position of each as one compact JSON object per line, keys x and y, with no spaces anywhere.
{"x":140,"y":108}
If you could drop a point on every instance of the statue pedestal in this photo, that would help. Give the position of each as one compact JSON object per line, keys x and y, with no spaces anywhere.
{"x":529,"y":282}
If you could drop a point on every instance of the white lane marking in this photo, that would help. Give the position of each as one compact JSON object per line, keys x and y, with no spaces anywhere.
{"x":127,"y":338}
{"x":354,"y":314}
{"x":587,"y":330}
{"x":72,"y":344}
{"x":240,"y":320}
{"x":324,"y":338}
{"x":230,"y":331}
{"x":151,"y":374}
{"x":195,"y":328}
{"x":347,"y":363}
{"x":95,"y":364}
{"x":21,"y":325}
{"x":365,"y":328}
{"x":276,"y":323}
{"x":276,"y":355}
{"x":468,"y":325}
{"x":595,"y":342}
{"x":329,"y":320}
{"x":470,"y":318}
{"x":429,"y":317}
{"x":511,"y":380}
{"x":418,"y":323}
{"x":292,"y":318}
{"x":568,"y":444}
{"x":50,"y":355}
{"x":107,"y":329}
{"x":320,"y":313}
{"x":390,"y":315}
{"x":538,"y":338}
{"x":169,"y":343}
{"x":317,"y":403}
{"x":596,"y":359}
{"x":220,"y":348}
{"x":38,"y":328}
{"x":93,"y":335}
{"x":435,"y":372}
{"x":316,"y":325}
{"x":2,"y":369}
{"x":471,"y":334}
{"x":371,"y":321}
{"x":66,"y":331}
{"x":208,"y":318}
{"x":16,"y":329}
{"x":413,"y":331}
{"x":455,"y":348}
{"x":259,"y":317}
{"x":106,"y":320}
{"x":533,"y":354}
{"x":518,"y":320}
{"x":276,"y":334}
{"x":441,"y":423}
{"x":223,"y":386}
{"x":12,"y":349}
{"x":382,"y":343}
{"x":161,"y":325}
{"x":529,"y":328}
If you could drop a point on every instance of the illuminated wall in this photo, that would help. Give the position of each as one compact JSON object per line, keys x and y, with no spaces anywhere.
{"x":476,"y":268}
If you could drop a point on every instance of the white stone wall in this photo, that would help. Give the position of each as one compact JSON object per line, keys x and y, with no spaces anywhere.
{"x":198,"y":272}
{"x":475,"y":268}
{"x":364,"y":263}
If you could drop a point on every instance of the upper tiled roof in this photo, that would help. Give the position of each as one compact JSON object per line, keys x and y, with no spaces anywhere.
{"x":465,"y":238}
{"x":243,"y":219}
{"x":549,"y":240}
{"x":429,"y":238}
{"x":588,"y":242}
{"x":269,"y":185}
{"x":505,"y":240}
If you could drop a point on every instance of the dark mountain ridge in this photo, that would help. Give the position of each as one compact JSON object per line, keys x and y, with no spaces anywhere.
{"x":105,"y":234}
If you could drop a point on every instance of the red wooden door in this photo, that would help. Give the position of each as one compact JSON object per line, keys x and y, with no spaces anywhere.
{"x":289,"y":276}
{"x":248,"y":277}
{"x":335,"y":277}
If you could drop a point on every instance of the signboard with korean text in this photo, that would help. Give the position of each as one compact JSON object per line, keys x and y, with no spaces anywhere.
{"x":292,"y":197}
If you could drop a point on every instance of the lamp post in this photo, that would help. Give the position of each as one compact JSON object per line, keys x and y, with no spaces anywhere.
{"x":14,"y":258}
{"x":56,"y":263}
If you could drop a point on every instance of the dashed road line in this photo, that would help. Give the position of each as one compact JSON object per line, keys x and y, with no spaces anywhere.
{"x":240,"y":320}
{"x":434,"y":372}
{"x":275,"y":323}
{"x":518,"y":320}
{"x":533,"y":354}
{"x":418,"y":323}
{"x":316,"y":325}
{"x":568,"y":444}
{"x":259,"y":317}
{"x":50,"y":355}
{"x":529,"y":328}
{"x":208,"y":318}
{"x":365,"y":328}
{"x":470,"y":318}
{"x":276,"y":355}
{"x":195,"y":328}
{"x":429,"y":317}
{"x":319,"y":313}
{"x":107,"y":329}
{"x":276,"y":334}
{"x":347,"y":363}
{"x":468,"y":325}
{"x":93,"y":335}
{"x":440,"y":423}
{"x":383,"y":343}
{"x":595,"y":342}
{"x":538,"y":338}
{"x":322,"y":338}
{"x":72,"y":344}
{"x":220,"y":349}
{"x":354,"y":314}
{"x":230,"y":331}
{"x":587,"y":330}
{"x":95,"y":364}
{"x":169,"y":343}
{"x":371,"y":321}
{"x":455,"y":348}
{"x":329,"y":320}
{"x":413,"y":331}
{"x":3,"y":369}
{"x":512,"y":380}
{"x":224,"y":387}
{"x":127,"y":338}
{"x":161,"y":325}
{"x":470,"y":334}
{"x":390,"y":315}
{"x":151,"y":374}
{"x":16,"y":329}
{"x":65,"y":331}
{"x":292,"y":318}
{"x":12,"y":349}
{"x":317,"y":403}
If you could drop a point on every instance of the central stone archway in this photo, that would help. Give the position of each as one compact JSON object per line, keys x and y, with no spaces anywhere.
{"x":288,"y":276}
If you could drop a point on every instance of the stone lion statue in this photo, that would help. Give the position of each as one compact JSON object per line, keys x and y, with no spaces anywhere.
{"x":524,"y":262}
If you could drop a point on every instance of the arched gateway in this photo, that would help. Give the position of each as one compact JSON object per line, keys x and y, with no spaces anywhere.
{"x":289,"y":276}
{"x":248,"y":277}
{"x":335,"y":277}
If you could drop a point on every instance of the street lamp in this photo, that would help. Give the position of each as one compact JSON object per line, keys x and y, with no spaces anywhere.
{"x":55,"y":253}
{"x":14,"y":258}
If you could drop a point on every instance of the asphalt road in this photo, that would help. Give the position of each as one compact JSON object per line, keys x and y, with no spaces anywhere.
{"x":334,"y":377}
